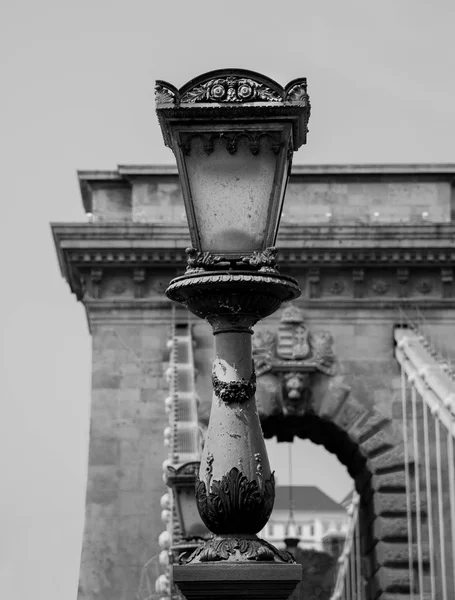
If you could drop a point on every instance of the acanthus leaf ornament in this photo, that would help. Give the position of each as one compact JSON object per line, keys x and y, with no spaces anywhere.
{"x":239,"y":549}
{"x":234,"y":504}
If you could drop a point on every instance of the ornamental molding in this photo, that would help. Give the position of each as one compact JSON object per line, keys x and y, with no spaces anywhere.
{"x":228,"y":95}
{"x":231,"y":141}
{"x":263,"y":261}
{"x":231,"y":86}
{"x":176,"y":257}
{"x":90,"y":254}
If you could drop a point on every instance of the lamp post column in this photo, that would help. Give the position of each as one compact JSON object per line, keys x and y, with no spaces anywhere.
{"x":235,"y":488}
{"x":233,"y":133}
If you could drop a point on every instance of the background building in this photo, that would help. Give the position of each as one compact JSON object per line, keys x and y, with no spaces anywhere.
{"x":314,"y":516}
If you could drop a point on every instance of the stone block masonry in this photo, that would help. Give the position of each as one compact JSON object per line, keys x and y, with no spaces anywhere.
{"x":356,"y":269}
{"x":126,"y":453}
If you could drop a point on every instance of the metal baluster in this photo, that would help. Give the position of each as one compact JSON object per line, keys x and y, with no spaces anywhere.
{"x":407,"y":479}
{"x":352,"y":572}
{"x":431,"y":547}
{"x":347,"y":586}
{"x":452,"y":491}
{"x":417,"y":488}
{"x":358,"y":560}
{"x":440,"y":505}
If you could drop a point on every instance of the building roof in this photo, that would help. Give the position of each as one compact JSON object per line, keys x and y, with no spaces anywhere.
{"x":347,"y":499}
{"x":306,"y":498}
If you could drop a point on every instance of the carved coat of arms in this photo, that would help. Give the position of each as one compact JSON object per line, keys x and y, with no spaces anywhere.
{"x":284,"y":361}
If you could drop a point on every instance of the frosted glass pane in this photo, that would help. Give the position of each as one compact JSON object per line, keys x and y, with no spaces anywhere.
{"x":231,"y":195}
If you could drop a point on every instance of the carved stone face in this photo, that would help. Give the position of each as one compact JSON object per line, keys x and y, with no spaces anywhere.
{"x":294,"y":384}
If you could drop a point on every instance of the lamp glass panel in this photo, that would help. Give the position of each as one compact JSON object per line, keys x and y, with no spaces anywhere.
{"x":231,"y":194}
{"x":191,"y":522}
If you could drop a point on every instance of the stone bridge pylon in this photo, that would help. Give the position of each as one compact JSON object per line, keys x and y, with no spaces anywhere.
{"x":363,"y":242}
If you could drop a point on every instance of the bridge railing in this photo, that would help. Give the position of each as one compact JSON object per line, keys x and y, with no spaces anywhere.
{"x":349,"y":583}
{"x":428,"y":421}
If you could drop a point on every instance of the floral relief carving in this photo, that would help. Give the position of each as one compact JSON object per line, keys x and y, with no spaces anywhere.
{"x":424,"y":286}
{"x":234,"y":391}
{"x":380,"y":287}
{"x":337,"y":287}
{"x":231,"y":89}
{"x":119,"y":287}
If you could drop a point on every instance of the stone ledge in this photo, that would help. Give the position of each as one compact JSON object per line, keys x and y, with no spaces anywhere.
{"x":389,"y":503}
{"x":392,"y":459}
{"x":389,"y":553}
{"x":388,"y":579}
{"x":390,"y":528}
{"x":363,"y":430}
{"x":380,"y":440}
{"x":390,"y":481}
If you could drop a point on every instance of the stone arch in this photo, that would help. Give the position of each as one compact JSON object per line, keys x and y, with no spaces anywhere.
{"x":371,"y":447}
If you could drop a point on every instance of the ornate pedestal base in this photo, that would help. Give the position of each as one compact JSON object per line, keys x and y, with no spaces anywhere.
{"x":237,"y":581}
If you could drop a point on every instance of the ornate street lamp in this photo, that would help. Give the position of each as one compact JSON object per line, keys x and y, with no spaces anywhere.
{"x":233,"y":133}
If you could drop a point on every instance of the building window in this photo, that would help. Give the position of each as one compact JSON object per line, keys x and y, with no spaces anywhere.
{"x":270,"y":529}
{"x":286,"y":530}
{"x":299,"y":530}
{"x":311,"y":530}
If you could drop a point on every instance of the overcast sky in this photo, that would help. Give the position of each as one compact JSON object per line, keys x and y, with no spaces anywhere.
{"x":77,"y":92}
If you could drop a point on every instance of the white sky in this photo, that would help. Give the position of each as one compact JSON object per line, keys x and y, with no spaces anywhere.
{"x":77,"y":92}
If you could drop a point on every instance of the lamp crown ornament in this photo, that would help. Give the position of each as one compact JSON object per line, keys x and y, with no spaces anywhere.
{"x":233,"y":133}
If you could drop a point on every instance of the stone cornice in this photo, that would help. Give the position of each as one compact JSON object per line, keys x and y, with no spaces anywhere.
{"x":307,"y":169}
{"x":342,"y":264}
{"x":322,"y":245}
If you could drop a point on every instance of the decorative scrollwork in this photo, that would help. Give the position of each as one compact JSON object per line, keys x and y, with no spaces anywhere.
{"x":234,"y":391}
{"x":236,"y":549}
{"x":199,"y":260}
{"x":235,"y":504}
{"x":265,"y":260}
